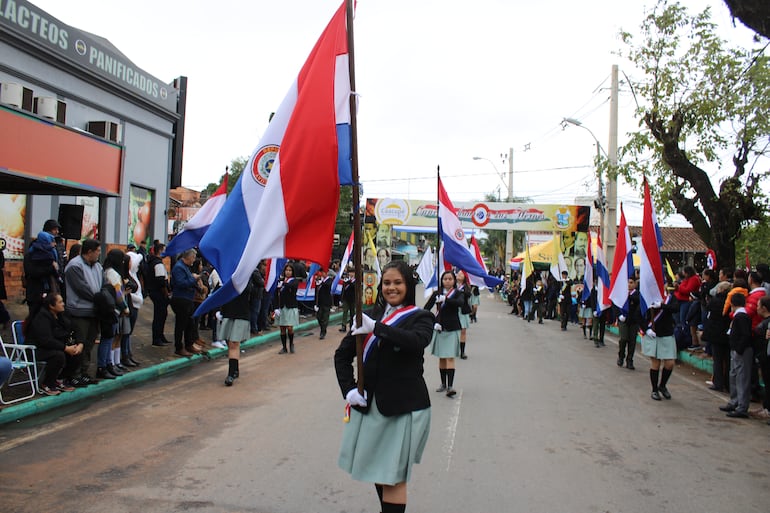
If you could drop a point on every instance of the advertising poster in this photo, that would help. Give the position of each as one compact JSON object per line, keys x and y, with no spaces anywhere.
{"x":13,"y":211}
{"x":140,"y":214}
{"x":90,"y":216}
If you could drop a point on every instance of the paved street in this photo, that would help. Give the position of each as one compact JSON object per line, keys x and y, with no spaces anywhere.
{"x":543,"y":422}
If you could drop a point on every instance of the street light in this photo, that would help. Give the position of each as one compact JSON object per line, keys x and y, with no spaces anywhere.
{"x":499,"y":175}
{"x":509,"y":198}
{"x":600,"y":203}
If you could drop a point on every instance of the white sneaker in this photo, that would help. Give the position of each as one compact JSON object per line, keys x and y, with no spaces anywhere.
{"x":221,"y":344}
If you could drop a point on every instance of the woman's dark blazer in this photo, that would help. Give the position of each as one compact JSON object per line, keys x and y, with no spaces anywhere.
{"x":393,"y":371}
{"x":449,"y":314}
{"x":287,"y":296}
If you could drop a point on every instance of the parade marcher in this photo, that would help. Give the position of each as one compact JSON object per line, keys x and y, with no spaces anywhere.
{"x":348,"y":299}
{"x":527,"y":297}
{"x":389,"y":424}
{"x":741,"y":359}
{"x":565,"y":299}
{"x":287,"y":311}
{"x":446,"y":330}
{"x":586,"y":312}
{"x":235,"y":328}
{"x":658,"y":343}
{"x":475,"y":302}
{"x":539,"y":301}
{"x":257,"y":283}
{"x":323,"y":302}
{"x":463,"y":287}
{"x":628,"y":326}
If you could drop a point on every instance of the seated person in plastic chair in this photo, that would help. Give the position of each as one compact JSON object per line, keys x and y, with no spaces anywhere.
{"x":6,"y":368}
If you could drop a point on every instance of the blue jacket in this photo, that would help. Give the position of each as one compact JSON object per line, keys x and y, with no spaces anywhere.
{"x":183,"y":283}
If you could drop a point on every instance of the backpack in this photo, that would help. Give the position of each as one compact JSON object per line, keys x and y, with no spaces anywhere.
{"x":105,"y":303}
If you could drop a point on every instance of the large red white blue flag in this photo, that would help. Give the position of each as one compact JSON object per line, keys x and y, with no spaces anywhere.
{"x":588,"y":277}
{"x":651,"y":278}
{"x":306,"y":147}
{"x":200,"y":223}
{"x":622,"y":266}
{"x":472,"y":278}
{"x":603,"y":275}
{"x":454,"y":245}
{"x":336,"y":285}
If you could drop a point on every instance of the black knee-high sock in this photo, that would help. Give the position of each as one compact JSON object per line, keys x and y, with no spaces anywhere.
{"x":233,"y":367}
{"x":584,"y":330}
{"x":462,"y":348}
{"x":283,"y":340}
{"x":664,"y":377}
{"x":291,"y":338}
{"x":387,"y":507}
{"x":442,"y":372}
{"x":654,"y":379}
{"x":379,"y":493}
{"x":450,"y":377}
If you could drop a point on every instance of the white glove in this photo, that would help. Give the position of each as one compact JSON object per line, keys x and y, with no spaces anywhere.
{"x":280,"y":284}
{"x":354,"y":398}
{"x":655,"y":304}
{"x":622,"y":318}
{"x":218,"y":315}
{"x":650,"y":333}
{"x":315,"y":308}
{"x":561,"y":298}
{"x":438,"y":327}
{"x":440,"y":298}
{"x":367,"y":326}
{"x":277,"y":312}
{"x":596,"y":314}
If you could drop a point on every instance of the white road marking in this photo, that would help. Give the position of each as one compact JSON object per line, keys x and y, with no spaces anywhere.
{"x":451,"y":430}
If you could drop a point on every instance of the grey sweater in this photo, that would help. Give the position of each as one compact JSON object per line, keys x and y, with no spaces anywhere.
{"x":82,"y":281}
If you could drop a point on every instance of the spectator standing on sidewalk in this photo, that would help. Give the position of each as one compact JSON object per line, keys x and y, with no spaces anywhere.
{"x":741,"y":359}
{"x":659,"y":344}
{"x":83,"y":279}
{"x":184,"y":285}
{"x":323,"y":302}
{"x":157,"y":285}
{"x":135,"y":303}
{"x":760,"y":338}
{"x":715,"y":334}
{"x":41,"y":266}
{"x":686,"y":295}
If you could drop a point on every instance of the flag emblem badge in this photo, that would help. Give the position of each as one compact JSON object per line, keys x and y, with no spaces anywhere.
{"x":263,"y":163}
{"x":459,"y":234}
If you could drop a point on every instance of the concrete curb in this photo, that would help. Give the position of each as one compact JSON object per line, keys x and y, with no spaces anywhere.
{"x":704,"y":364}
{"x":42,"y":404}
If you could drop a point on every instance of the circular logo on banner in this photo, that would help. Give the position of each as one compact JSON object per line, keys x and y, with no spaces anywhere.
{"x":263,"y":163}
{"x":81,"y":47}
{"x":480,"y":215}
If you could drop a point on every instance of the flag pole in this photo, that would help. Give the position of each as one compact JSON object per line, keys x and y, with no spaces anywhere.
{"x":438,"y":271}
{"x":358,"y":285}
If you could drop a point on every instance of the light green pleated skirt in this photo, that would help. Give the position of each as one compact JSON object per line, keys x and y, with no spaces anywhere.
{"x":445,"y":344}
{"x":475,"y":300}
{"x":662,"y":348}
{"x":465,"y":320}
{"x":379,"y":449}
{"x":288,"y":317}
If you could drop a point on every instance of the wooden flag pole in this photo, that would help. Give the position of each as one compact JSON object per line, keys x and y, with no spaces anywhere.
{"x":356,"y":200}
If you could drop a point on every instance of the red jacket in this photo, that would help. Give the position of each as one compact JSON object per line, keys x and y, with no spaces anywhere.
{"x":689,"y":285}
{"x":752,"y":301}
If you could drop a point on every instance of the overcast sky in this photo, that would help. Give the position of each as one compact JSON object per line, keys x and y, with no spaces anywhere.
{"x":440,"y":81}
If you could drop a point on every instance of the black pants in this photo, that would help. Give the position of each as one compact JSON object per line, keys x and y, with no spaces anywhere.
{"x":627,"y":341}
{"x":184,"y":324}
{"x":564,"y":309}
{"x":57,"y":362}
{"x":760,"y":349}
{"x":159,"y":314}
{"x":721,"y":363}
{"x":322,"y":316}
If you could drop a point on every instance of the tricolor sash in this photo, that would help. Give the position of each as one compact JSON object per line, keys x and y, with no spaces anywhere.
{"x":394,"y":319}
{"x":447,"y":296}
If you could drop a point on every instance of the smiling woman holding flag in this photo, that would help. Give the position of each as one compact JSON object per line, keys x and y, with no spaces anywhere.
{"x":389,"y":423}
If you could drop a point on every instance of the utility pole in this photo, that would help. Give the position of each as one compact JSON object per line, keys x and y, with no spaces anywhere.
{"x":611,"y":219}
{"x":509,"y":233}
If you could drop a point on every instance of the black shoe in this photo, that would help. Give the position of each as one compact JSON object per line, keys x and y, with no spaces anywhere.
{"x":160,"y":343}
{"x":114,"y":370}
{"x":664,"y":392}
{"x":655,"y":395}
{"x":88,"y":380}
{"x":630,"y":366}
{"x":463,"y":357}
{"x":103,"y":373}
{"x":715,"y":389}
{"x":735,"y":414}
{"x":620,"y":361}
{"x":451,"y":392}
{"x":126,"y":361}
{"x":131,"y":359}
{"x":77,"y":382}
{"x":229,"y":380}
{"x":343,"y":330}
{"x":727,"y":408}
{"x":283,"y":351}
{"x":122,"y":368}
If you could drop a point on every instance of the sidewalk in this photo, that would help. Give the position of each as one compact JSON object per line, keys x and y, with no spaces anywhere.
{"x":155,"y":361}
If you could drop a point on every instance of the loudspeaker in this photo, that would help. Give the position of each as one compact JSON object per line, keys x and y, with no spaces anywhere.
{"x":71,"y":221}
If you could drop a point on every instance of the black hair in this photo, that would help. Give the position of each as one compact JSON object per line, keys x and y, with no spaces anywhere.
{"x":755,"y":277}
{"x":411,"y":283}
{"x":114,"y":260}
{"x":738,"y":300}
{"x":710,"y":273}
{"x":89,"y":245}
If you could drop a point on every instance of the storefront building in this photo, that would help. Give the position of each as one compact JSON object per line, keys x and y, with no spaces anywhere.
{"x":86,"y":136}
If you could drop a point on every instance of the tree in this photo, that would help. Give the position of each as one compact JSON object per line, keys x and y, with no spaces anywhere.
{"x":756,"y":239}
{"x":699,"y":99}
{"x":755,"y":14}
{"x":234,"y":170}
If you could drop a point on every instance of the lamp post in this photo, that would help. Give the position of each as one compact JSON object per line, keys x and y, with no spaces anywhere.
{"x":509,"y":198}
{"x":600,"y":203}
